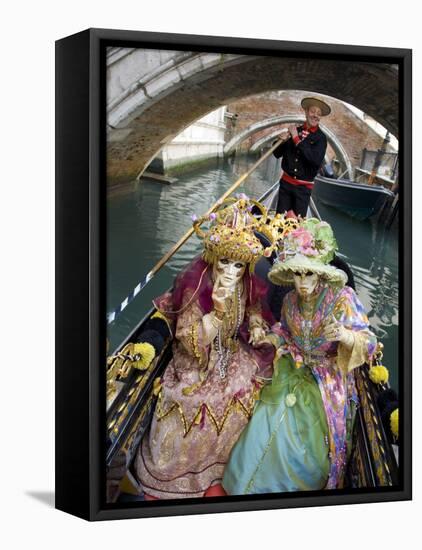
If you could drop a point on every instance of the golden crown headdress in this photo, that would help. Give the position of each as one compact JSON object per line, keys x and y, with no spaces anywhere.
{"x":275,"y":228}
{"x":233,"y":228}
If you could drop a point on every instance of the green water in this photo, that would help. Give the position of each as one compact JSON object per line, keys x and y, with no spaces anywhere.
{"x":144,"y":224}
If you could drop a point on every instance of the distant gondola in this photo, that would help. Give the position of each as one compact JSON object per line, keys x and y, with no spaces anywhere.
{"x":359,"y":200}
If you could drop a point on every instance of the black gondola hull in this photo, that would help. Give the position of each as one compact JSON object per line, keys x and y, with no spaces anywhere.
{"x":358,"y":200}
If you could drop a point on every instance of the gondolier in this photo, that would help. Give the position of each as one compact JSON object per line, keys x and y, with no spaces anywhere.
{"x":303,"y":152}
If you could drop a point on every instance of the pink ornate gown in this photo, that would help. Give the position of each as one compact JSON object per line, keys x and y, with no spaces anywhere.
{"x":199,"y":415}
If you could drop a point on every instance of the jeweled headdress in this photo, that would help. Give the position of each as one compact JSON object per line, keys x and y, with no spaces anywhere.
{"x":232,"y":232}
{"x":275,"y":228}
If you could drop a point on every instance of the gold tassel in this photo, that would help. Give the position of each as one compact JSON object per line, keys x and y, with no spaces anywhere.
{"x":378,"y":374}
{"x":394,"y":423}
{"x":147,"y":353}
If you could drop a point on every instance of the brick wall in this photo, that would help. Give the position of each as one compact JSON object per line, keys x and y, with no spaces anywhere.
{"x":352,"y":132}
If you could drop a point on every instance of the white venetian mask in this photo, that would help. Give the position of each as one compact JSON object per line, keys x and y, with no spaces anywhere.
{"x":229,"y":272}
{"x":305,"y":283}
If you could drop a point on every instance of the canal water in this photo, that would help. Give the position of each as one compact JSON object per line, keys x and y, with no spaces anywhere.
{"x":144,"y":223}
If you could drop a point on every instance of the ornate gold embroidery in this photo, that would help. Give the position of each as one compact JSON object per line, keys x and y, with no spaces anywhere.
{"x":340,"y":306}
{"x":234,"y":405}
{"x":194,"y":342}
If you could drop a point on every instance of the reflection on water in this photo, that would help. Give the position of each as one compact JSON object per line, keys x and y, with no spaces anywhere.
{"x":143,"y":225}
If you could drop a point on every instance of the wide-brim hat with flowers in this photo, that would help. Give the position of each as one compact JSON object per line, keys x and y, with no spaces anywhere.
{"x":309,"y":248}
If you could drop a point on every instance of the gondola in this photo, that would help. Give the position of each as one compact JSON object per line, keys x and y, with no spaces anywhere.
{"x":359,"y":200}
{"x":131,"y":397}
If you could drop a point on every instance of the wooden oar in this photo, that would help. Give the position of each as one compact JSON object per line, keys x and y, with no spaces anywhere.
{"x":111,"y":316}
{"x":229,"y":191}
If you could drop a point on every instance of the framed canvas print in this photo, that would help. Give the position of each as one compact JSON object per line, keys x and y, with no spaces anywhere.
{"x":233,"y":274}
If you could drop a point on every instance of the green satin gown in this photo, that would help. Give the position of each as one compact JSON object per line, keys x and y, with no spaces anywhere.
{"x":285,"y":445}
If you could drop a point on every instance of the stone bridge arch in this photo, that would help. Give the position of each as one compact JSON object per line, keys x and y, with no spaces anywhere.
{"x":152,"y":95}
{"x":332,"y":139}
{"x":138,"y":78}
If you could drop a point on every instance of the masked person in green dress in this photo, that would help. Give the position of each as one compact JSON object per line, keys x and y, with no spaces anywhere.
{"x":299,"y":437}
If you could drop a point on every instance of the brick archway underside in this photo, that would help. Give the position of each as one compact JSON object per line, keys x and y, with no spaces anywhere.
{"x":371,"y":87}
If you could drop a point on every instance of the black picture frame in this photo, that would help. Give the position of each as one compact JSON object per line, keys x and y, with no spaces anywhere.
{"x":80,"y":272}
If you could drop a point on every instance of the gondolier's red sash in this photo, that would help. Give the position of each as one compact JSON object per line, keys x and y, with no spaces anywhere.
{"x":285,"y":177}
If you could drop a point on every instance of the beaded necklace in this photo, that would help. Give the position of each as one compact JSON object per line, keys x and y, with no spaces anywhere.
{"x":224,"y":351}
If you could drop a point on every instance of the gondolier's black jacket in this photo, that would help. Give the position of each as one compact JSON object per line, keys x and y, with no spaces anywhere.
{"x":302,"y":161}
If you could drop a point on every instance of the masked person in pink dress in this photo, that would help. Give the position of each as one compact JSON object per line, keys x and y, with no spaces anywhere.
{"x":218,"y":315}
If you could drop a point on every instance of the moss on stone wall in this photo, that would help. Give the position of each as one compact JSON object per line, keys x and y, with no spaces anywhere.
{"x":192,"y":165}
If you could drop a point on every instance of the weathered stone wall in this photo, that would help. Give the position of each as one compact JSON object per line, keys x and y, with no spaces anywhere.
{"x":204,"y":139}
